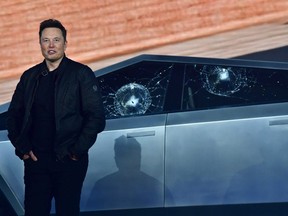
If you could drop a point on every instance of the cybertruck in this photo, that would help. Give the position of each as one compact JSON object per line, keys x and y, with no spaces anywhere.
{"x":181,"y":132}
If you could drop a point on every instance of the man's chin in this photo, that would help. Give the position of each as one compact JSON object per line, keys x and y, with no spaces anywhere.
{"x":52,"y":60}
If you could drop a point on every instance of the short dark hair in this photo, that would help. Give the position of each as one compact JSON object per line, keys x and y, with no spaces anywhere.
{"x":52,"y":23}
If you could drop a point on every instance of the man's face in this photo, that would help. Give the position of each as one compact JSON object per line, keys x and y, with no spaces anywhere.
{"x":52,"y":44}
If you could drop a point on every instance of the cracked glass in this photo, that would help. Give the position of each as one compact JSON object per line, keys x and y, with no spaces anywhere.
{"x":211,"y":86}
{"x":135,"y":90}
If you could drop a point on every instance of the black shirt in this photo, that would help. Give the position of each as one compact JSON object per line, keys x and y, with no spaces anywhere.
{"x":43,"y":115}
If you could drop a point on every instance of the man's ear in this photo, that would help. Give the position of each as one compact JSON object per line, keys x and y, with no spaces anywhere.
{"x":65,"y":45}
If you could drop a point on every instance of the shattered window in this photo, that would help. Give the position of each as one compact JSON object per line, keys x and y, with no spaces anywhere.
{"x":208,"y":86}
{"x":135,"y":90}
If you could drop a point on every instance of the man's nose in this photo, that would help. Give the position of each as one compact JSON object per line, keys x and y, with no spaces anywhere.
{"x":51,"y":43}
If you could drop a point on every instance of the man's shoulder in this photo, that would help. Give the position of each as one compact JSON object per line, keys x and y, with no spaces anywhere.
{"x":32,"y":70}
{"x":75,"y":64}
{"x":79,"y":69}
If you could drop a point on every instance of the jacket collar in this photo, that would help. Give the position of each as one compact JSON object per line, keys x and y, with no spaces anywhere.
{"x":59,"y":71}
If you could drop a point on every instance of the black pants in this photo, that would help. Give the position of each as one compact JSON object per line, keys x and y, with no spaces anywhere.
{"x":48,"y":178}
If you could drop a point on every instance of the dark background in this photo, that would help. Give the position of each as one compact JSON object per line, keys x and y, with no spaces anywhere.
{"x":279,"y":54}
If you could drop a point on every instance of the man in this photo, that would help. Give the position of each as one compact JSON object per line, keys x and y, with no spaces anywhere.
{"x":54,"y":117}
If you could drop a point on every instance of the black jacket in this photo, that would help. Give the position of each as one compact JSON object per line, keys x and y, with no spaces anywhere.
{"x":79,"y":112}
